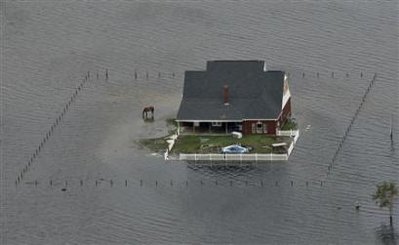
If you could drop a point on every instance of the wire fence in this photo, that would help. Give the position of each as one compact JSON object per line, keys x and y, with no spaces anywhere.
{"x":53,"y":126}
{"x":349,"y":128}
{"x":125,"y":183}
{"x":151,"y":76}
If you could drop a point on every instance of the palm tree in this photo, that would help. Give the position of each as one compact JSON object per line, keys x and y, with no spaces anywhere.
{"x":385,"y":195}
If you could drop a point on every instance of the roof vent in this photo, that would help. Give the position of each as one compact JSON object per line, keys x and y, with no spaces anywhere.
{"x":226,"y":95}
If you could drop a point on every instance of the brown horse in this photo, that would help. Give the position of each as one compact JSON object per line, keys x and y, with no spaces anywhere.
{"x":147,"y":110}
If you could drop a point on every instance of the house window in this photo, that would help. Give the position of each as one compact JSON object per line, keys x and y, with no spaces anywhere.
{"x":253,"y":128}
{"x":259,"y":127}
{"x":265,"y":128}
{"x":196,"y":124}
{"x":216,"y":124}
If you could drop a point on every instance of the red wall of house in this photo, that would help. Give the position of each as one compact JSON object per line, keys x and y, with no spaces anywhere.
{"x":286,"y":112}
{"x":247,"y":126}
{"x":271,"y":124}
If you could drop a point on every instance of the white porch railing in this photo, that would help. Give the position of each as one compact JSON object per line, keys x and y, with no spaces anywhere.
{"x":291,"y":133}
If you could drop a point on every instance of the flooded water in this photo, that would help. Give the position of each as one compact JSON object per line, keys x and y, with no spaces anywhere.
{"x":90,"y":183}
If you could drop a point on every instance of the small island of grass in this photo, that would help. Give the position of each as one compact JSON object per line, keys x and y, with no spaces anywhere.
{"x":207,"y":143}
{"x":232,"y":102}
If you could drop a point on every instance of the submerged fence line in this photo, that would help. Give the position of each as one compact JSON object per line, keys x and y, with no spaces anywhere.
{"x":148,"y":76}
{"x":331,"y":75}
{"x":53,"y":126}
{"x":348,"y":129}
{"x":125,"y":183}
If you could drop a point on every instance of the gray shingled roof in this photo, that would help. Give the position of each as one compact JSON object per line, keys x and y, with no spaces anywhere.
{"x":253,"y":92}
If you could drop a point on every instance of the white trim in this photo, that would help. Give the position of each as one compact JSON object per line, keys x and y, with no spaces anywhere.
{"x":208,"y":120}
{"x":281,"y":112}
{"x":286,"y":92}
{"x":245,"y":119}
{"x":286,"y":97}
{"x":274,"y":119}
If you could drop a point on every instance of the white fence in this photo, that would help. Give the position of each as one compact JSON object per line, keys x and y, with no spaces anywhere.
{"x":291,"y":133}
{"x":246,"y":157}
{"x":234,"y":157}
{"x":290,"y":149}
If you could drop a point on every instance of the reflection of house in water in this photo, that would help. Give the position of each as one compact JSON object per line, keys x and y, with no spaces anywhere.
{"x":234,"y":96}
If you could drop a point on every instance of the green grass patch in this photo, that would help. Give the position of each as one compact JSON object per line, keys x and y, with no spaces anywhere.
{"x":213,"y":144}
{"x":290,"y":125}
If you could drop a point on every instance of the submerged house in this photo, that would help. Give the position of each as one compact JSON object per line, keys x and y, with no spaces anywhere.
{"x":234,"y":96}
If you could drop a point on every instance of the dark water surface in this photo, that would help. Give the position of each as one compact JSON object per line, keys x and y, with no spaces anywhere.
{"x":47,"y":48}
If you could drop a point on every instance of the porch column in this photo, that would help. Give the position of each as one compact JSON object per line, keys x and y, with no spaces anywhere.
{"x":178,"y":128}
{"x":226,"y":127}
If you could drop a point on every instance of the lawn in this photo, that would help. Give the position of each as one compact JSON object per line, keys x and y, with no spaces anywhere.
{"x":214,"y":143}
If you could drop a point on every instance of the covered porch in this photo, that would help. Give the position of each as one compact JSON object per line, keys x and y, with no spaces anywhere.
{"x":208,"y":127}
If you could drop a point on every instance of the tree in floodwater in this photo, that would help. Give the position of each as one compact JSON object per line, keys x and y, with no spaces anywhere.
{"x":385,"y":195}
